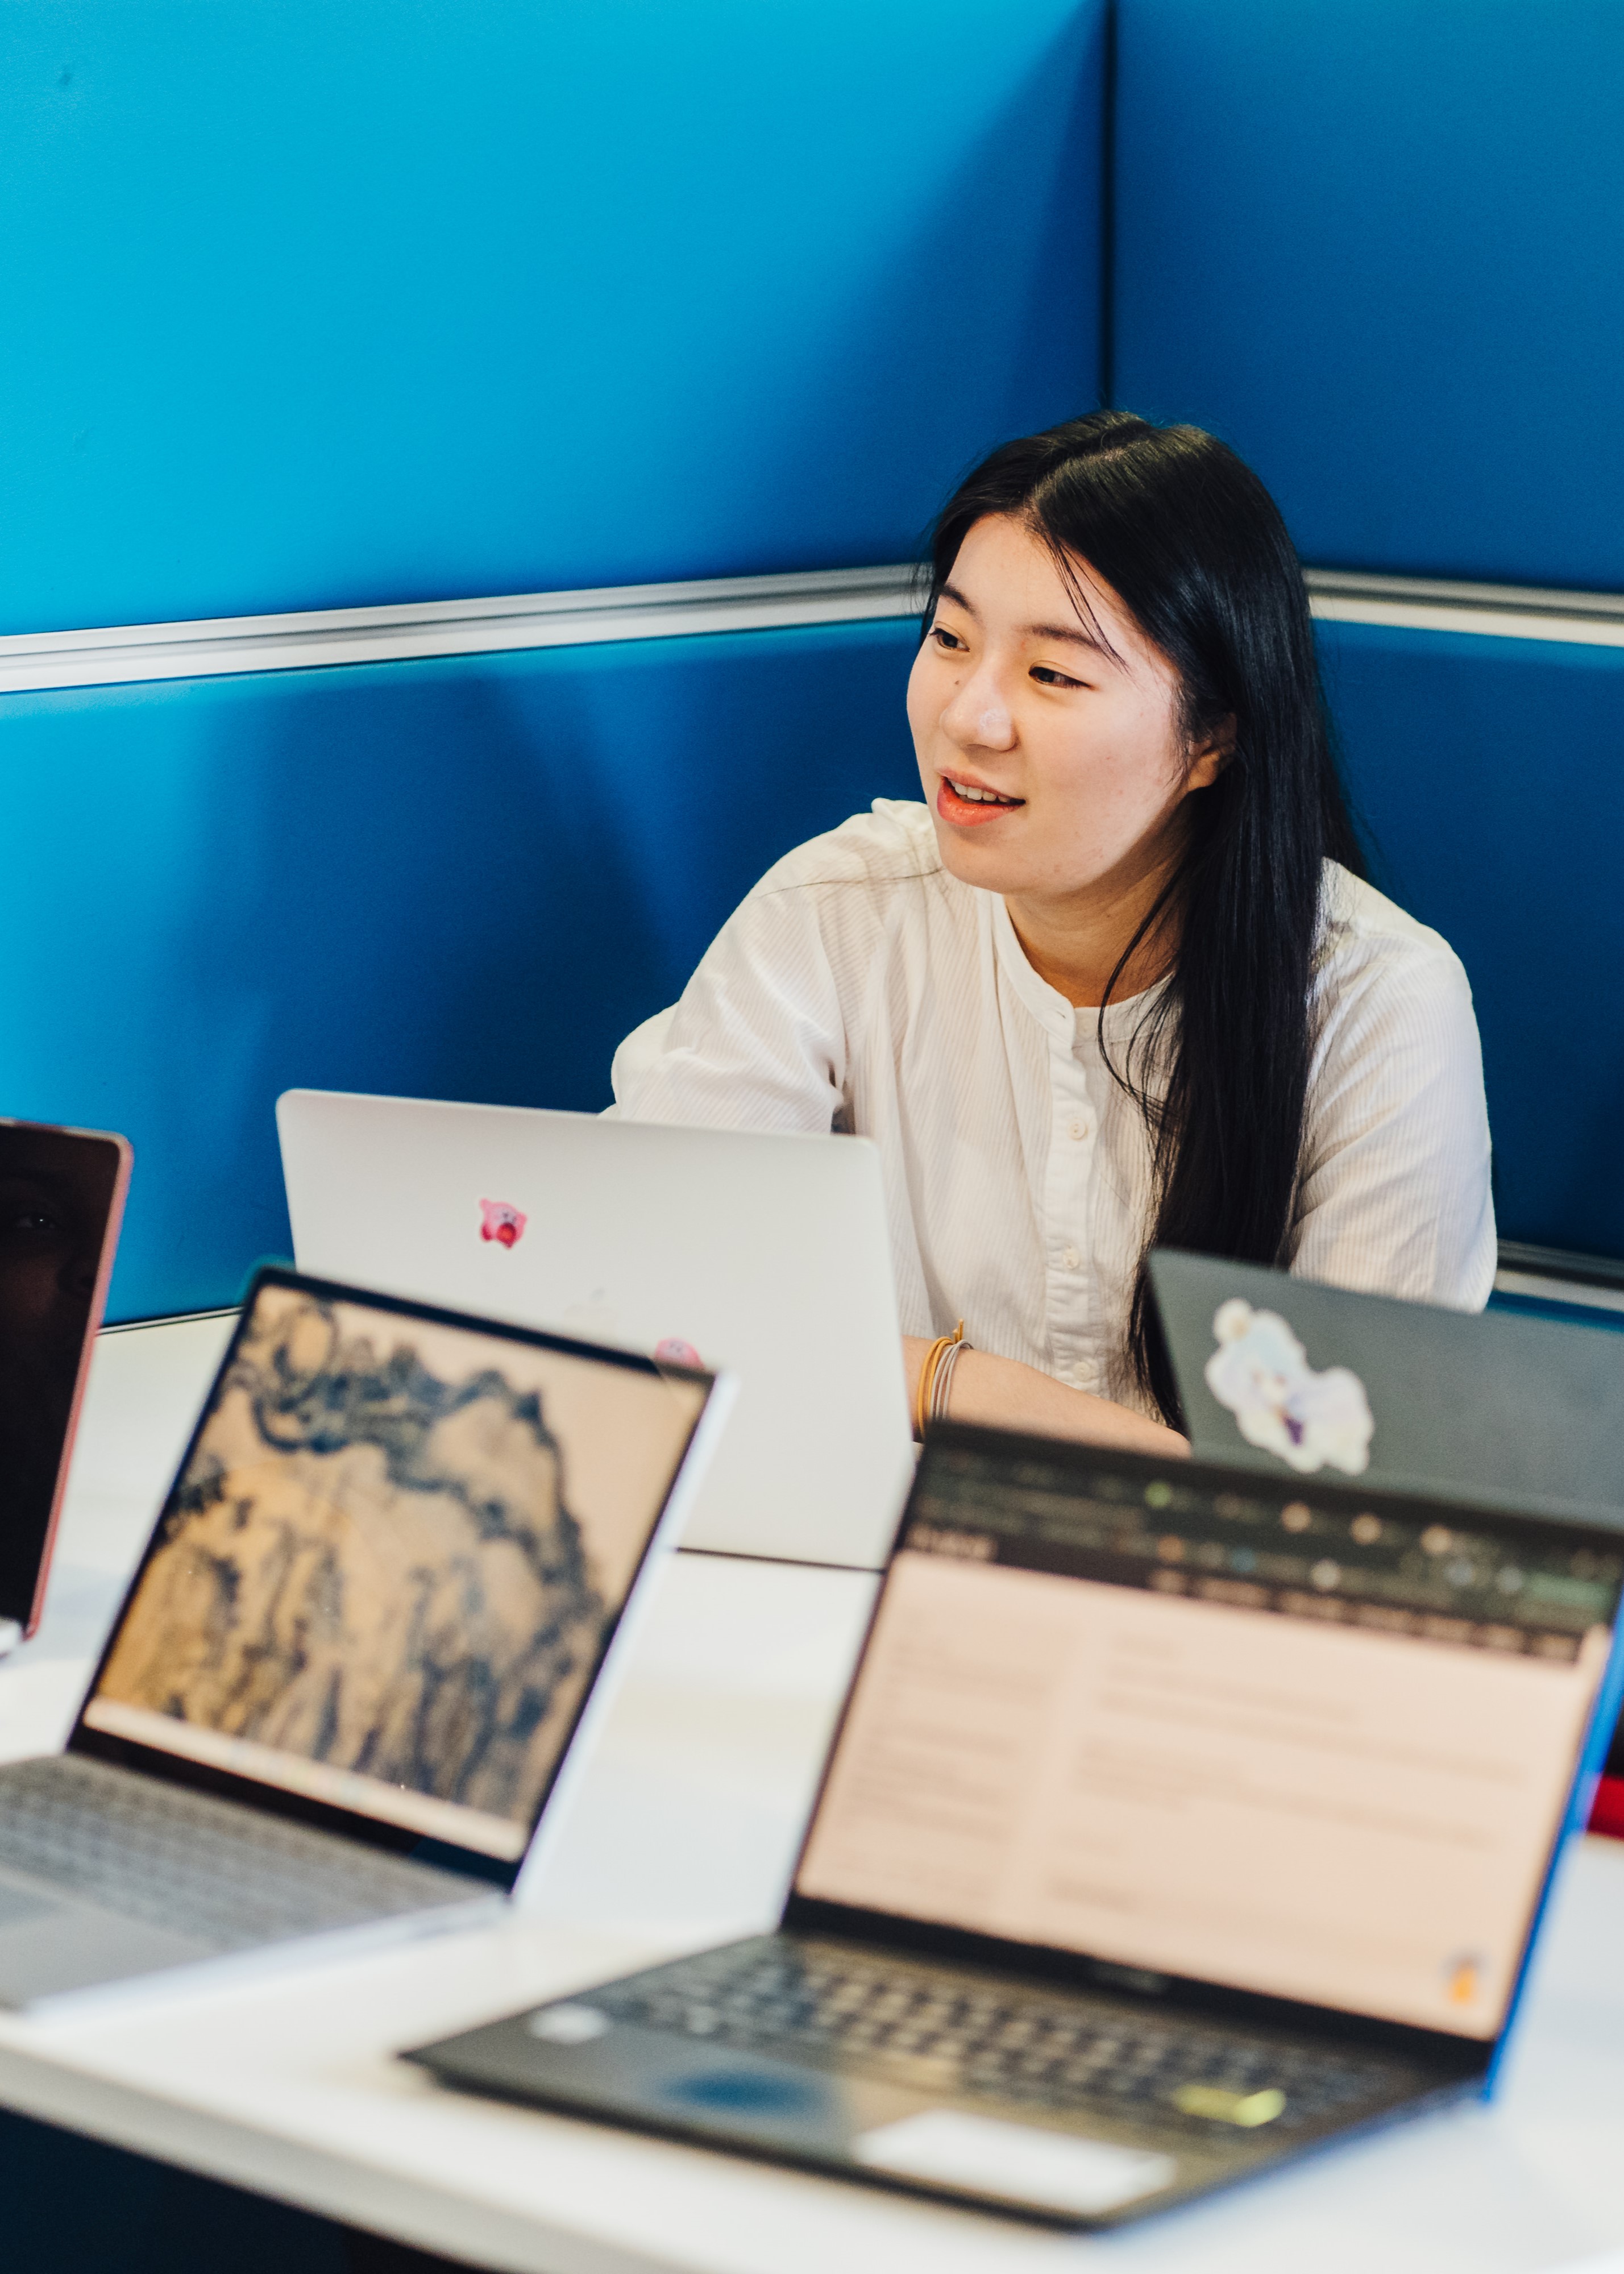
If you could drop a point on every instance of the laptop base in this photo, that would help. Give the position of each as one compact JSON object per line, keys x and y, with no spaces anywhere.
{"x":108,"y":1876}
{"x":918,"y":2119}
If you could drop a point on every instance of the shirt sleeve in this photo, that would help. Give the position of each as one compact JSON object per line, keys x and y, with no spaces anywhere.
{"x":1395,"y":1196}
{"x":758,"y":1039}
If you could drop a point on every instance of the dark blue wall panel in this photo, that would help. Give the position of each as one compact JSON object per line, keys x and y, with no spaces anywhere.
{"x":343,"y":301}
{"x":447,"y":879}
{"x":1491,"y":774}
{"x":1379,"y":246}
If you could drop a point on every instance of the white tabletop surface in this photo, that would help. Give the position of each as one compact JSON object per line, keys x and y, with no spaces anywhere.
{"x":686,"y":1831}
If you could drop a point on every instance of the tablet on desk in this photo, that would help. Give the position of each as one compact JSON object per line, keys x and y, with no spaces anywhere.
{"x":62,"y":1195}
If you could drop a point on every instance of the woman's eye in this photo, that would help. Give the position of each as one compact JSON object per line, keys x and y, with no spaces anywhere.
{"x":1047,"y":676}
{"x":946,"y":639}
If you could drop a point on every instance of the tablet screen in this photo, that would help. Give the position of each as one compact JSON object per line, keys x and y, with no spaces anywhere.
{"x":59,"y":1191}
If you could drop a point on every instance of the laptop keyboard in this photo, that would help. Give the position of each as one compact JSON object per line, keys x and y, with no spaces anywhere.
{"x":948,"y":2031}
{"x":197,"y":1865}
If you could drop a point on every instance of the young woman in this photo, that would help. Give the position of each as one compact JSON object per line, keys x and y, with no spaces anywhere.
{"x":1118,"y":982}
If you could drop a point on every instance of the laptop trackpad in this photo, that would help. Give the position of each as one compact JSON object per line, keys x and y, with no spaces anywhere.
{"x":1015,"y":2163}
{"x":47,"y":1944}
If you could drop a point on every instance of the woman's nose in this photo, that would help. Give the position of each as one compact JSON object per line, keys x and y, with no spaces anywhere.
{"x":978,"y":718}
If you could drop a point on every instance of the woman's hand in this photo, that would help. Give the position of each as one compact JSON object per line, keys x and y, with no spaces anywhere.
{"x":1003,"y":1394}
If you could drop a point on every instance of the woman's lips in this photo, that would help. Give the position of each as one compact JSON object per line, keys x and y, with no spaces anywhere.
{"x":970,"y":813}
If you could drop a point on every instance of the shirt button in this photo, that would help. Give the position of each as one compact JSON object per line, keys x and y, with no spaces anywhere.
{"x":1081,"y":1128}
{"x":1070,"y":1259}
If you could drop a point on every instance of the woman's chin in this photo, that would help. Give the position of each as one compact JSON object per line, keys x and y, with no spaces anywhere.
{"x":976,"y":858}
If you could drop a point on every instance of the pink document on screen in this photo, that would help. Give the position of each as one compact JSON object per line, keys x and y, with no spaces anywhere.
{"x":1324,"y":1812}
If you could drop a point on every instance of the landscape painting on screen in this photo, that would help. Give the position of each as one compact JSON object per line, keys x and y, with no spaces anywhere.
{"x":397,"y":1547}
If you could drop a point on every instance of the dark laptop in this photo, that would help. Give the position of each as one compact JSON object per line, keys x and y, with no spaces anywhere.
{"x":1281,"y":1375}
{"x":348,"y":1672}
{"x":1179,"y":1821}
{"x":62,"y":1194}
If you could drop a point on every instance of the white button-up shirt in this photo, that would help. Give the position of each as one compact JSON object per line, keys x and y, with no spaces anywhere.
{"x":862,"y":988}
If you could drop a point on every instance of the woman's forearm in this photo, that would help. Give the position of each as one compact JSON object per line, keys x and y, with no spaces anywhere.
{"x":1004,"y":1393}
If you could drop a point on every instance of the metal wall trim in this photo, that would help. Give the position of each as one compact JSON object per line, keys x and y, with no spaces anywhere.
{"x":224,"y":645}
{"x":1490,"y":611}
{"x":307,"y":639}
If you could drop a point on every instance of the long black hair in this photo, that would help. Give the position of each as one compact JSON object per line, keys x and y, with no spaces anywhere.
{"x":1195,"y":548}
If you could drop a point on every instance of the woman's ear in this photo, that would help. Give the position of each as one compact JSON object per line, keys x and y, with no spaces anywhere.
{"x":1210,"y":758}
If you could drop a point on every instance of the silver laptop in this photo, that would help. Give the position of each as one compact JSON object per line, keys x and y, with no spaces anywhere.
{"x":356,"y":1662}
{"x":1180,"y":1821}
{"x":768,"y":1256}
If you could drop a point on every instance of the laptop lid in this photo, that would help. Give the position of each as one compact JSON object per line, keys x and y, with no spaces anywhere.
{"x":62,"y":1195}
{"x":398,"y":1551}
{"x":767,"y":1255}
{"x":1289,"y":1378}
{"x":1181,"y":1729}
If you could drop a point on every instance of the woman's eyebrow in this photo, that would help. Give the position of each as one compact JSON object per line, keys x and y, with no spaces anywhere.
{"x":1074,"y":634}
{"x":1071,"y":633}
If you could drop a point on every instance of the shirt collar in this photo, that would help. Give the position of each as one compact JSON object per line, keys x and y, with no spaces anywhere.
{"x":1047,"y":1005}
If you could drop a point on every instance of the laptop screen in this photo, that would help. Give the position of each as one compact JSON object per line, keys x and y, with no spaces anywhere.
{"x":1283,"y":1377}
{"x":1218,"y":1728}
{"x":393,"y":1559}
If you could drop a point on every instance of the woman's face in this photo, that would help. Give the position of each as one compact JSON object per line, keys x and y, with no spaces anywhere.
{"x":1073,"y":760}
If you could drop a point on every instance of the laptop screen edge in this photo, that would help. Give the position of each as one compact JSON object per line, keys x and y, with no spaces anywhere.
{"x":325,"y":1815}
{"x":1471,"y":2056}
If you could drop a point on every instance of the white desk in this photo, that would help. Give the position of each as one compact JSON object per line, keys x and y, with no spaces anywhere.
{"x":687,"y":1829}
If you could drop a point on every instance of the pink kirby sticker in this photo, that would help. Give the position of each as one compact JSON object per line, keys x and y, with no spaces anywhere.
{"x":674,"y":1351}
{"x":502,"y":1221}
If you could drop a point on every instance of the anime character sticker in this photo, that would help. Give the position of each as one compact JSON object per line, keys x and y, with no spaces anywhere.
{"x":1260,"y":1371}
{"x":502,"y":1221}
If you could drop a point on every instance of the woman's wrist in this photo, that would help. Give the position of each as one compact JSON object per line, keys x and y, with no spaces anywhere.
{"x":1002,"y":1393}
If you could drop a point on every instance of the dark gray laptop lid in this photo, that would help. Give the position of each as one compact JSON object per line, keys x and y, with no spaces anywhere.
{"x":1519,"y":1412}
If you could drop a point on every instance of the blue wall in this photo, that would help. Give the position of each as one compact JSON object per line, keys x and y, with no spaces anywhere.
{"x":470,"y":878}
{"x":332,"y":302}
{"x":464,"y":878}
{"x":356,"y":302}
{"x":1379,"y":246}
{"x":1490,"y":774}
